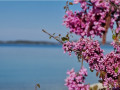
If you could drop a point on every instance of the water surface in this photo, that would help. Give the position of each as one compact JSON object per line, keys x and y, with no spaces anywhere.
{"x":23,"y":66}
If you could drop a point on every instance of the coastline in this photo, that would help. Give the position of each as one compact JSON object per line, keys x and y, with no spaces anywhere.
{"x":28,"y":42}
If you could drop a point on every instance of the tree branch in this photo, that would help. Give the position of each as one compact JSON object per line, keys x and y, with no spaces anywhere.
{"x":116,"y":6}
{"x":82,"y":62}
{"x":59,"y":40}
{"x":52,"y":36}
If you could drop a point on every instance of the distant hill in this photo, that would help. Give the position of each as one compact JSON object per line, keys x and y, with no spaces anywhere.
{"x":37,"y":42}
{"x":29,"y":42}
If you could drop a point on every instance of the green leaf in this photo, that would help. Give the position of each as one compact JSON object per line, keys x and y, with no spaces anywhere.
{"x":64,"y":39}
{"x":50,"y":37}
{"x":116,"y":70}
{"x":112,"y":31}
{"x":53,"y":33}
{"x":91,"y":70}
{"x":38,"y":85}
{"x":100,"y":81}
{"x":113,"y":36}
{"x":67,"y":35}
{"x":59,"y":35}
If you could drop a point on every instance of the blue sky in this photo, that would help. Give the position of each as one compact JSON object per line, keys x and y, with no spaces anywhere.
{"x":24,"y":20}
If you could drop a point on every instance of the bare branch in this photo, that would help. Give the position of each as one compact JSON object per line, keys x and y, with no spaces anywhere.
{"x":82,"y":62}
{"x":52,"y":36}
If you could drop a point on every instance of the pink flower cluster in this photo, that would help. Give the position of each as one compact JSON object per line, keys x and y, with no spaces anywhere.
{"x":75,"y":81}
{"x":83,"y":4}
{"x":91,"y":21}
{"x":116,"y":46}
{"x":73,"y":21}
{"x":112,"y":68}
{"x":111,"y":65}
{"x":115,"y":14}
{"x":93,"y":55}
{"x":90,"y":50}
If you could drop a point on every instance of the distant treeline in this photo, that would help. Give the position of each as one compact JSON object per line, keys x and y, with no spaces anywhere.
{"x":36,"y":42}
{"x":29,"y":42}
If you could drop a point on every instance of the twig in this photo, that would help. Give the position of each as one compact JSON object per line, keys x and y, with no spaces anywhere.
{"x":52,"y":36}
{"x":82,"y":63}
{"x":116,"y":6}
{"x":58,"y":40}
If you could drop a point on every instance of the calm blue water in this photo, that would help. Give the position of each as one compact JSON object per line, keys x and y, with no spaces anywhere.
{"x":23,"y":66}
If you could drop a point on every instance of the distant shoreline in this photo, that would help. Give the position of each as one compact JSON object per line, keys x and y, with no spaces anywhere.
{"x":28,"y":42}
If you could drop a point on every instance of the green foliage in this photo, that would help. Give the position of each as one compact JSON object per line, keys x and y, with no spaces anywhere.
{"x":53,"y":33}
{"x":60,"y":38}
{"x":38,"y":85}
{"x":114,"y":36}
{"x":101,"y":81}
{"x":66,"y":7}
{"x":116,"y":70}
{"x":65,"y":39}
{"x":50,"y":37}
{"x":59,"y":35}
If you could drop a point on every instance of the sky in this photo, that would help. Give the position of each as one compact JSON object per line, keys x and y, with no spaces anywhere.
{"x":24,"y":20}
{"x":35,"y":0}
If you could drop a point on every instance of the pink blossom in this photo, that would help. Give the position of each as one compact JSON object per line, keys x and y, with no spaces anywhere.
{"x":75,"y":81}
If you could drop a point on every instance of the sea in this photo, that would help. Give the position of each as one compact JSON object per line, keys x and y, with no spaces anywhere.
{"x":24,"y":66}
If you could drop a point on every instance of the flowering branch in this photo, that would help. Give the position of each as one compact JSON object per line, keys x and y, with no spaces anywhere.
{"x":76,"y":51}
